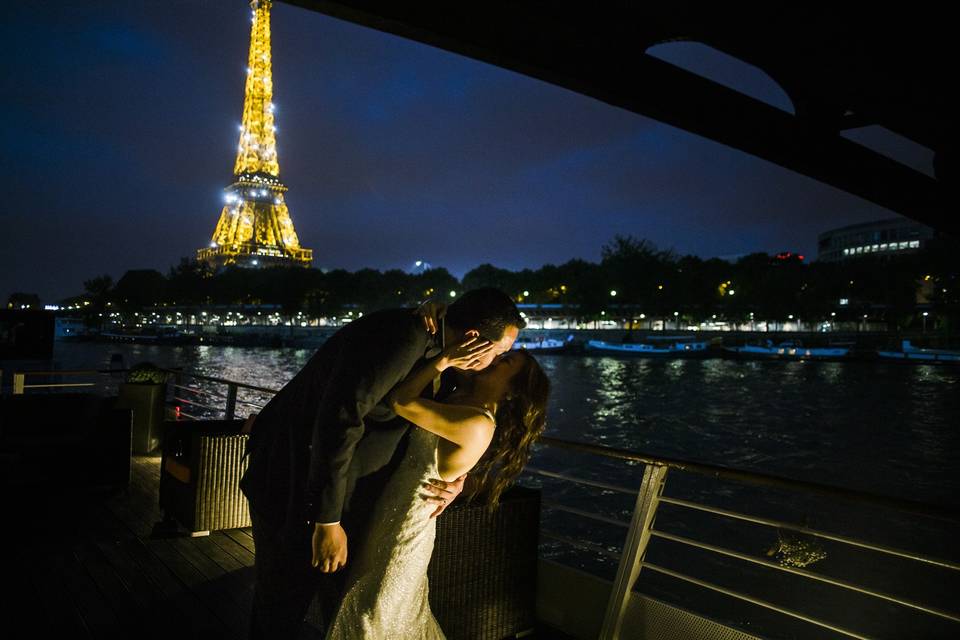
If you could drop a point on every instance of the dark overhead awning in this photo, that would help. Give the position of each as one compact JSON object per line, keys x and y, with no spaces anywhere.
{"x":842,"y":67}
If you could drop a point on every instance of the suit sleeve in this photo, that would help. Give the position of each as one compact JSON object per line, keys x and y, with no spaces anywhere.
{"x":364,"y":373}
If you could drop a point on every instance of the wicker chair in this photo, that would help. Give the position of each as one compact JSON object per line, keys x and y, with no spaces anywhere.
{"x":201,"y":465}
{"x":483,"y":573}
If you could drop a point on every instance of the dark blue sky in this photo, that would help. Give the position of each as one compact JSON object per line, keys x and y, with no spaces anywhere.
{"x":118,"y":129}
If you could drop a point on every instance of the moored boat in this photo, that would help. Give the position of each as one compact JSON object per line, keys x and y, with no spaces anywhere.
{"x":787,"y":350}
{"x":544,"y":345}
{"x":910,"y":353}
{"x":670,"y":347}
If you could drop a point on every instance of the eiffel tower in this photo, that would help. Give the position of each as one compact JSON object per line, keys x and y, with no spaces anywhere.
{"x":255,"y":229}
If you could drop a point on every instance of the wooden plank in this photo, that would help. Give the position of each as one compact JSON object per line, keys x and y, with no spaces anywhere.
{"x":131,"y":517}
{"x":217,"y":554}
{"x":243,"y":537}
{"x":175,"y":594}
{"x":26,"y":602}
{"x":62,"y":616}
{"x":96,"y":612}
{"x":128,"y":609}
{"x":228,"y":544}
{"x":86,"y":567}
{"x":226,"y":611}
{"x":164,"y":613}
{"x":219,"y":581}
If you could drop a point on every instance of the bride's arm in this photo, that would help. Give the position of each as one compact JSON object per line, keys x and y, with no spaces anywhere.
{"x":460,"y":424}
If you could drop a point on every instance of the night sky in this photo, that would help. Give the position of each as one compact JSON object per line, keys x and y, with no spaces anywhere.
{"x":119,"y":124}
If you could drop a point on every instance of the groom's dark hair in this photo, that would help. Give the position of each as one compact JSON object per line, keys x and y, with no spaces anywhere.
{"x":488,"y":310}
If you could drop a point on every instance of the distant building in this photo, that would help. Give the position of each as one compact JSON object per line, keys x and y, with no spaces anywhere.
{"x":891,"y":237}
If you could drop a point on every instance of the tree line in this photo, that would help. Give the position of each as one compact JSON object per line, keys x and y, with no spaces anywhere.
{"x":633,"y":277}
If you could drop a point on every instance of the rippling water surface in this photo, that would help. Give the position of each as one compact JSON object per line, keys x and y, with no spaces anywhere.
{"x":890,"y":428}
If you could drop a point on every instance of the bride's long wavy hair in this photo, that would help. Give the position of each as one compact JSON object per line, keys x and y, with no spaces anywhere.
{"x":521,"y":418}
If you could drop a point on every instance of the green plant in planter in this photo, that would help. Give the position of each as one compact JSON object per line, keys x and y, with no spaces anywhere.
{"x":146,"y":373}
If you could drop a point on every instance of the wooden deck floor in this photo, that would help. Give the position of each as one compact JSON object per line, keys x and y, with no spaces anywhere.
{"x":88,"y":566}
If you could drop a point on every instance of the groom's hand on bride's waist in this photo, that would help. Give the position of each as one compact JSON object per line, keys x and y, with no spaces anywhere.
{"x":329,"y":547}
{"x":442,"y":493}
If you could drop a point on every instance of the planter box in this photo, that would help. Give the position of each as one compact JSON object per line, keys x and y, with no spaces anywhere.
{"x":146,"y":401}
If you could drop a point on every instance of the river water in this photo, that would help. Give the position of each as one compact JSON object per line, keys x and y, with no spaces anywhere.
{"x":885,"y":428}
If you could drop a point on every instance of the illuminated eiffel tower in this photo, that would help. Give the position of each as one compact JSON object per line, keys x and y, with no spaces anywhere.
{"x":255,"y":229}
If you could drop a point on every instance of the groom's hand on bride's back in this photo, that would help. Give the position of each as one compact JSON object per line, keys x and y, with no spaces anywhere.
{"x":329,"y":547}
{"x":442,"y":493}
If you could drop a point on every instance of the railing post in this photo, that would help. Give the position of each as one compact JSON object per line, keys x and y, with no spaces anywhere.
{"x":634,"y":548}
{"x":231,"y":401}
{"x":18,"y":383}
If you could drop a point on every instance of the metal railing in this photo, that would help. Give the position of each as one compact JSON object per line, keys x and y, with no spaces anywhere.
{"x":20,"y":379}
{"x":641,"y":529}
{"x":230,"y":400}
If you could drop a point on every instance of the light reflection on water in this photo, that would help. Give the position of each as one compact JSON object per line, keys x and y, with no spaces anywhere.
{"x":856,"y":424}
{"x":889,"y":428}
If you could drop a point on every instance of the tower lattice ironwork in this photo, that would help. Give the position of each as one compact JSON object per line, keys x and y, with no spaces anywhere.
{"x":255,"y":228}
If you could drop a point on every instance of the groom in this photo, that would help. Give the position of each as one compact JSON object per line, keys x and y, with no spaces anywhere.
{"x":322,"y":449}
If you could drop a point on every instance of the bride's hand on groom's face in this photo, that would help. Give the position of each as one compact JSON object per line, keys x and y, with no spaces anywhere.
{"x":466,"y":353}
{"x":442,"y":493}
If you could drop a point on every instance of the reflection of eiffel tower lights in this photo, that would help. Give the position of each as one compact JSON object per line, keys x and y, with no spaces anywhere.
{"x":255,"y":228}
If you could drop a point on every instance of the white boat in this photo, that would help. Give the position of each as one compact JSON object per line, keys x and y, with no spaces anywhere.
{"x":544,"y":345}
{"x":909,"y":352}
{"x":677,"y":348}
{"x":789,"y":349}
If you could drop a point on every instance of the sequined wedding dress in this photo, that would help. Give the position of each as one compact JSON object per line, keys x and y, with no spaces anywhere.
{"x":386,"y":594}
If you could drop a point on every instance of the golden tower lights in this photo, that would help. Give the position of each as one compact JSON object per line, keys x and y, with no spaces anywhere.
{"x":255,"y":228}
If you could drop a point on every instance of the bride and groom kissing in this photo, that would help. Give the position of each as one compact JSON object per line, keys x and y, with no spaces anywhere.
{"x":353,"y":459}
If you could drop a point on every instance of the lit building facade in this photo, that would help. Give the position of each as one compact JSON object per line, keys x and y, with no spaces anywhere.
{"x":890,"y":238}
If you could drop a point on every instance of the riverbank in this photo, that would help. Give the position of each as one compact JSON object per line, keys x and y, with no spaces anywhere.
{"x":266,"y":336}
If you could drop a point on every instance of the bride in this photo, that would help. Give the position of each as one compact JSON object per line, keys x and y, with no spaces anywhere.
{"x":485,"y":426}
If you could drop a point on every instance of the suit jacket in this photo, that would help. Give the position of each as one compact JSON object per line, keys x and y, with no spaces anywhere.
{"x":328,"y":428}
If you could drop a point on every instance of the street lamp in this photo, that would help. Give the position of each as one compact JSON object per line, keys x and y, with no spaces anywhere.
{"x":925,"y":314}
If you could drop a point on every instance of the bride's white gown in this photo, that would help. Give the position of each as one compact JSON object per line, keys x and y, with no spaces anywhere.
{"x":386,"y":590}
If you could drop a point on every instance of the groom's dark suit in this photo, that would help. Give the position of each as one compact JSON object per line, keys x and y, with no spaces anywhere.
{"x":320,"y":450}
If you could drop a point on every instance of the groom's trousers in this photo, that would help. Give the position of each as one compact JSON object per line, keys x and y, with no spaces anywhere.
{"x":286,"y":583}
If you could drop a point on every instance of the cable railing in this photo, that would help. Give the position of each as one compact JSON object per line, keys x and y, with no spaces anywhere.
{"x":645,"y":527}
